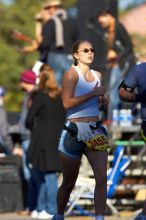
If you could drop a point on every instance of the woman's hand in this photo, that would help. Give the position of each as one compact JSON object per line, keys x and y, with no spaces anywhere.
{"x":31,"y":48}
{"x":104,"y":99}
{"x":112,"y":55}
{"x":98,"y":90}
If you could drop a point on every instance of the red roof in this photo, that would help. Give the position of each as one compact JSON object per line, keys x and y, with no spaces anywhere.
{"x":135,"y":20}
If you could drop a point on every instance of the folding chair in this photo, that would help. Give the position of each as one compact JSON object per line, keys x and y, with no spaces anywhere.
{"x":115,"y":174}
{"x":84,"y":188}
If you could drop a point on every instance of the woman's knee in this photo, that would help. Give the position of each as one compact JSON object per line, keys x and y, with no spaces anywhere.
{"x":101,"y":180}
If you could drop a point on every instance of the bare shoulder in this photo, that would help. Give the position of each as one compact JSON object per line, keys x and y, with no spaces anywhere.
{"x":71,"y":75}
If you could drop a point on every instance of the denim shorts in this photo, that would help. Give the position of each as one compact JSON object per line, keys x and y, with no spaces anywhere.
{"x":69,"y":143}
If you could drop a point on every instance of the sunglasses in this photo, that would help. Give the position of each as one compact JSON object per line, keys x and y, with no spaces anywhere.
{"x":86,"y":50}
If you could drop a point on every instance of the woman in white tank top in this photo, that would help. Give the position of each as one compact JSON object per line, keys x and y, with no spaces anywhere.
{"x":81,"y":92}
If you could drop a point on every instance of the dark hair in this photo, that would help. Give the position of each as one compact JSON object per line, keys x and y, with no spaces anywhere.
{"x":104,"y":12}
{"x":48,"y":81}
{"x":75,"y":48}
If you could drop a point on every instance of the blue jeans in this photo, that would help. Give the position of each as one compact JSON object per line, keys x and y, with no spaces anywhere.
{"x":115,"y":79}
{"x":69,"y":144}
{"x":31,"y":191}
{"x":26,"y":166}
{"x":47,"y":184}
{"x":60,"y":63}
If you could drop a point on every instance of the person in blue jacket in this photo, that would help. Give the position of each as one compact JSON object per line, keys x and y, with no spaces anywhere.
{"x":136,"y":79}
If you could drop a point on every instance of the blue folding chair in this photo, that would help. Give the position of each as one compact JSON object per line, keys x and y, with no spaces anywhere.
{"x":84,"y":188}
{"x":117,"y":171}
{"x":116,"y":174}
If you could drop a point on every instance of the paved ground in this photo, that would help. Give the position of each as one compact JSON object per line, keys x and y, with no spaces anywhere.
{"x":122,"y":216}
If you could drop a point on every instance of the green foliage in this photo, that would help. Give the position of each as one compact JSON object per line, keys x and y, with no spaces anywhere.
{"x":12,"y":61}
{"x":17,"y":15}
{"x":13,"y":101}
{"x":68,"y":3}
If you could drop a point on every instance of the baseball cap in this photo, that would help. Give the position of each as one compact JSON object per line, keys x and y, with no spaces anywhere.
{"x":51,"y":3}
{"x":28,"y":76}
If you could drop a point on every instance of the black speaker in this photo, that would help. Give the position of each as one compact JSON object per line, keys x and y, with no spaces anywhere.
{"x":87,"y":12}
{"x":90,"y":8}
{"x":11,"y":198}
{"x":113,"y":7}
{"x":89,"y":29}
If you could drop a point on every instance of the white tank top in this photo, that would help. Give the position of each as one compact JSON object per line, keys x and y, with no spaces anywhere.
{"x":89,"y":107}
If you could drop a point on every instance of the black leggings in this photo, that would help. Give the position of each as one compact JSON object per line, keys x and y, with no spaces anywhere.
{"x":98,"y":162}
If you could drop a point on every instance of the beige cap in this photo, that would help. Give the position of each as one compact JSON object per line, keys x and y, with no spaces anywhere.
{"x":51,"y":3}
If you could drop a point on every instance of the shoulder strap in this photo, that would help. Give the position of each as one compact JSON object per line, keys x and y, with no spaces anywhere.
{"x":96,"y":76}
{"x":78,"y":71}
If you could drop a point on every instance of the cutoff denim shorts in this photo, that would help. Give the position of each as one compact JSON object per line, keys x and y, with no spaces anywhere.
{"x":69,"y":143}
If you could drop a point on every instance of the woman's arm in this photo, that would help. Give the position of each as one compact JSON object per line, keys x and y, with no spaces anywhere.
{"x":70,"y":80}
{"x":126,"y":96}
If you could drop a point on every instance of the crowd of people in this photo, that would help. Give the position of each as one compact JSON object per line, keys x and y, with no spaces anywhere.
{"x":60,"y":118}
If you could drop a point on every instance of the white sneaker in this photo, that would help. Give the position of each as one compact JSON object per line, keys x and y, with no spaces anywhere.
{"x":34,"y":214}
{"x":44,"y":215}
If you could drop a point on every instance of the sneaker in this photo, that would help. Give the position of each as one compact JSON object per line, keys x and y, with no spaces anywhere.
{"x":58,"y":217}
{"x":140,"y":217}
{"x":34,"y":214}
{"x":24,"y":213}
{"x":44,"y":215}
